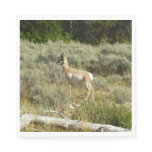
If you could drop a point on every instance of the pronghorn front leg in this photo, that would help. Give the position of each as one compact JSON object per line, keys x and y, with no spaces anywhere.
{"x":89,"y":90}
{"x":92,"y":89}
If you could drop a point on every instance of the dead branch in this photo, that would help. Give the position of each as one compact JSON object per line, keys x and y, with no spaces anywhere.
{"x":26,"y":119}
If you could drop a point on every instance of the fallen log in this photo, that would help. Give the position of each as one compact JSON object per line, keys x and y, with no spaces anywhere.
{"x":26,"y":119}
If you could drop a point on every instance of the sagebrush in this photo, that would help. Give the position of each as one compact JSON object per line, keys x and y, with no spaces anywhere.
{"x":43,"y":85}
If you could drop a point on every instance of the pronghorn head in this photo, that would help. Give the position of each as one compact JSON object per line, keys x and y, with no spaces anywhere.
{"x":62,"y":60}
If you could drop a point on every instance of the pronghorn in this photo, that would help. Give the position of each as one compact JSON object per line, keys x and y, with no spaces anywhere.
{"x":76,"y":75}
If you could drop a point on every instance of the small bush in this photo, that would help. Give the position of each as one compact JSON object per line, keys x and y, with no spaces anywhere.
{"x":27,"y":78}
{"x":51,"y":97}
{"x":114,"y":79}
{"x":54,"y":73}
{"x":55,"y":97}
{"x":127,"y":79}
{"x":36,"y":94}
{"x":120,"y":94}
{"x":104,"y":113}
{"x":37,"y":90}
{"x":118,"y":65}
{"x":112,"y":64}
{"x":122,"y":50}
{"x":74,"y":60}
{"x":100,"y":83}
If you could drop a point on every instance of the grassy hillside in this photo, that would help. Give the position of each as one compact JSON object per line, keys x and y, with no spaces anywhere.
{"x":43,"y":85}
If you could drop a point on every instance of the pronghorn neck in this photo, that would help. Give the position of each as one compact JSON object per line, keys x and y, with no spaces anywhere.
{"x":65,"y":64}
{"x":65,"y":68}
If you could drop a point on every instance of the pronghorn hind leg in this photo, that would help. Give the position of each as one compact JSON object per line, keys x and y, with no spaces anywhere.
{"x":92,"y":89}
{"x":89,"y":90}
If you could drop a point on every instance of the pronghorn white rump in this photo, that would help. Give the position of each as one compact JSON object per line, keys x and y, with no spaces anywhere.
{"x":76,"y":75}
{"x":91,"y":76}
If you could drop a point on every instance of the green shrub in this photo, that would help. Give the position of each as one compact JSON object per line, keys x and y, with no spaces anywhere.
{"x":120,"y":94}
{"x":30,"y":78}
{"x":74,"y":60}
{"x":50,"y":97}
{"x":80,"y":56}
{"x":127,"y":79}
{"x":27,"y":78}
{"x":42,"y":31}
{"x":100,"y":83}
{"x":66,"y":37}
{"x":123,"y":50}
{"x":54,"y":73}
{"x":27,"y":81}
{"x":115,"y":65}
{"x":104,"y":113}
{"x":37,"y":90}
{"x":114,"y":79}
{"x":55,"y":97}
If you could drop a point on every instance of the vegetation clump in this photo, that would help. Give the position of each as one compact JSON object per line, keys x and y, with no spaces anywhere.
{"x":120,"y":94}
{"x":114,"y":79}
{"x":104,"y":113}
{"x":85,"y":31}
{"x":127,"y":79}
{"x":101,"y":83}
